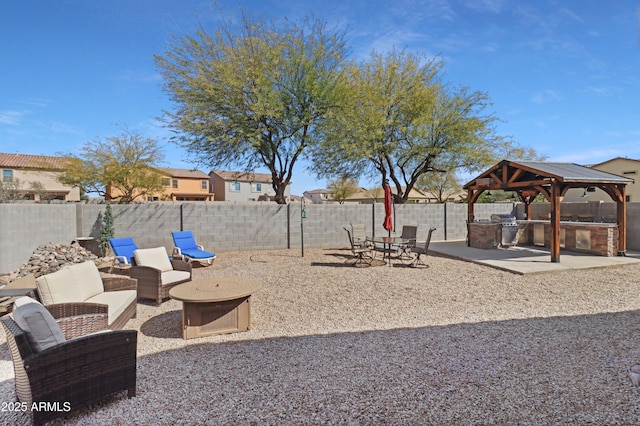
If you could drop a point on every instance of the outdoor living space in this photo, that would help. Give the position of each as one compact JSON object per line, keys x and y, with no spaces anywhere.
{"x":454,"y":343}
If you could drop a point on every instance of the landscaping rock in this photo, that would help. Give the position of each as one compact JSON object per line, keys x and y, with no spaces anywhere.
{"x":51,"y":257}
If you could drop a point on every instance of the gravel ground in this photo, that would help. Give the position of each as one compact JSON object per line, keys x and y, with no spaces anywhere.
{"x":455,"y":343}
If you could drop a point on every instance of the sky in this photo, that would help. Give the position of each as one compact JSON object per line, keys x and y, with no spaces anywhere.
{"x":563,"y":76}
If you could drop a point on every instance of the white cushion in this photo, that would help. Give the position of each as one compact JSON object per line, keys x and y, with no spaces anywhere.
{"x":72,"y":283}
{"x":57,"y":287}
{"x":170,"y":277}
{"x":87,"y":278}
{"x":154,"y":257}
{"x":40,"y":327}
{"x":117,"y":301}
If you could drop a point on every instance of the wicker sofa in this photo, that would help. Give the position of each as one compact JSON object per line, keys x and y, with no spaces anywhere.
{"x":157,"y":274}
{"x":61,"y":363}
{"x":80,"y":289}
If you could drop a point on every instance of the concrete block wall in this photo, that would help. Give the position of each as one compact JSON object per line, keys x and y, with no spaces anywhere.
{"x":24,"y":227}
{"x":240,"y":226}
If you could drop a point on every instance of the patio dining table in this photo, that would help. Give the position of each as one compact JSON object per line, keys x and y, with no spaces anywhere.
{"x":389,"y":245}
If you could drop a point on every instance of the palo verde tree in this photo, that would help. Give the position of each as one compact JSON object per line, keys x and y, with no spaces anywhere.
{"x":124,"y":164}
{"x":402,"y":122}
{"x":342,"y":188}
{"x":441,"y":185}
{"x":252,"y":93}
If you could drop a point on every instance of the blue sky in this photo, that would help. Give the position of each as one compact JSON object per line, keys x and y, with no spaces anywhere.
{"x":564,"y":76}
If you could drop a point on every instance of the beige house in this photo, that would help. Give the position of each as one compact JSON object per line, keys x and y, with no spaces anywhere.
{"x":186,"y":185}
{"x":244,"y":186}
{"x":619,"y":166}
{"x":376,"y":195}
{"x":179,"y":185}
{"x":36,"y":176}
{"x":318,"y":196}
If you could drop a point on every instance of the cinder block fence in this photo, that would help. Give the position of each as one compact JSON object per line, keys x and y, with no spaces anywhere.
{"x":226,"y":226}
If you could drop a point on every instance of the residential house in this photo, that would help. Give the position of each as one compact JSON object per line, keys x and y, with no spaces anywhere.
{"x":625,"y":167}
{"x":318,"y":196}
{"x":37,"y":176}
{"x":244,"y":186}
{"x":376,"y":195}
{"x":179,"y":185}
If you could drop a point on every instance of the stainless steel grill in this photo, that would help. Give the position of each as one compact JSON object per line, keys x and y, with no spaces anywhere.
{"x":509,"y":228}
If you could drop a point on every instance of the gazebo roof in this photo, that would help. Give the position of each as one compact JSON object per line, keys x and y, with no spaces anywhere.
{"x":538,"y":171}
{"x":553,"y":180}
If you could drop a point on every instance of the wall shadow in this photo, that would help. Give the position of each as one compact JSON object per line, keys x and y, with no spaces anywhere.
{"x":557,"y":370}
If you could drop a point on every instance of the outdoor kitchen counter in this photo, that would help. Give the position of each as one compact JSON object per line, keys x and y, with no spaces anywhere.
{"x":596,"y":238}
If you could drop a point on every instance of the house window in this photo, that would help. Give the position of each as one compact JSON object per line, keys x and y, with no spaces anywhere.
{"x":174,"y":183}
{"x":257,"y":187}
{"x":7,"y":175}
{"x":166,"y":182}
{"x":152,"y":198}
{"x":234,"y":186}
{"x":204,"y":185}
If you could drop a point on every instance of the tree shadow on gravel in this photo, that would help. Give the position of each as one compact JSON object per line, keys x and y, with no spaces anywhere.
{"x":167,"y":325}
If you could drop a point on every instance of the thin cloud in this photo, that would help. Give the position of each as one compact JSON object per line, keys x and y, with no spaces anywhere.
{"x":545,"y":97}
{"x":37,"y":102}
{"x":492,"y":6}
{"x":12,"y":118}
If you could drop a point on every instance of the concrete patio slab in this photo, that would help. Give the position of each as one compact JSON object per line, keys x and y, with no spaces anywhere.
{"x":527,"y":260}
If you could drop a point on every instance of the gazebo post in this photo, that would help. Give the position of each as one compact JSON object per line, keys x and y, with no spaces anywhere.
{"x":555,"y":222}
{"x":470,"y":216}
{"x":621,"y":218}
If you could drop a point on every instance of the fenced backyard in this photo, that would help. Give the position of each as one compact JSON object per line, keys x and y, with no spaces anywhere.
{"x":223,"y":226}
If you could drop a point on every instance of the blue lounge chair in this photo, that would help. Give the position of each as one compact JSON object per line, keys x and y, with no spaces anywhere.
{"x":123,"y":249}
{"x":187,"y":249}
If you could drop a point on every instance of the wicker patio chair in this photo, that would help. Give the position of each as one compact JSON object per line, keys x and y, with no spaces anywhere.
{"x":421,"y":250}
{"x":157,"y":274}
{"x":96,"y":305}
{"x":75,"y":373}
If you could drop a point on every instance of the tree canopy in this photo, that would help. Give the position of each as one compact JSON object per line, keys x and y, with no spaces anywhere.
{"x":125,"y":164}
{"x":342,"y":188}
{"x":252,"y":94}
{"x":402,"y":121}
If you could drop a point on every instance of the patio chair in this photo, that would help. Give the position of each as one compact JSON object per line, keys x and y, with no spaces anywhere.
{"x":409,"y":232}
{"x":123,"y":249}
{"x":362,"y":254}
{"x":359,"y":235}
{"x":187,"y":249}
{"x":79,"y":289}
{"x":157,"y":274}
{"x":59,"y":362}
{"x":422,"y":250}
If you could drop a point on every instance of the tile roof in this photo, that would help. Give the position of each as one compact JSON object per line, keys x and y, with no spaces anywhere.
{"x":185,"y":173}
{"x":28,"y":161}
{"x":242,"y":176}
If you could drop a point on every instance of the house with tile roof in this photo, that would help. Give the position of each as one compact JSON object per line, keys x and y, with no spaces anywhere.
{"x":620,"y":166}
{"x":318,"y":196}
{"x":179,"y":185}
{"x":36,"y":176}
{"x":243,"y":186}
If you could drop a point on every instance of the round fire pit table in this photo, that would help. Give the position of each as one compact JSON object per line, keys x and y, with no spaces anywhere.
{"x":216,"y":305}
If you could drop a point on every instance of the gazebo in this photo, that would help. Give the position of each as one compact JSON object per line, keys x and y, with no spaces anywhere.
{"x":530,"y":178}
